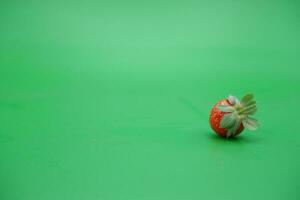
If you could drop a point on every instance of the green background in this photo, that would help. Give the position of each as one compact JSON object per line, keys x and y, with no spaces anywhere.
{"x":110,"y":99}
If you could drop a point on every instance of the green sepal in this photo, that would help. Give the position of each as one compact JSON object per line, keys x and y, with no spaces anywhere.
{"x":225,"y":108}
{"x":247,"y":98}
{"x":233,"y":129}
{"x":228,"y":120}
{"x":248,"y":110}
{"x":250,"y":123}
{"x":252,"y":102}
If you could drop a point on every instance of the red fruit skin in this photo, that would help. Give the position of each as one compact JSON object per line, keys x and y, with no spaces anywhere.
{"x":216,"y":117}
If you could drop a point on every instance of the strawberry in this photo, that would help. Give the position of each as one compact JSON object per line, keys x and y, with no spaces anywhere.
{"x":229,"y":117}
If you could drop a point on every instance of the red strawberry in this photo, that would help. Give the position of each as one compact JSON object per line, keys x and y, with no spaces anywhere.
{"x":229,"y":117}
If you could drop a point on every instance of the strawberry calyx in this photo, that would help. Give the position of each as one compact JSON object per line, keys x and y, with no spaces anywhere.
{"x":239,"y":113}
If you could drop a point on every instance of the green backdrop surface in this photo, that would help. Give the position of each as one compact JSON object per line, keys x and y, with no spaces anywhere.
{"x":110,"y":99}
